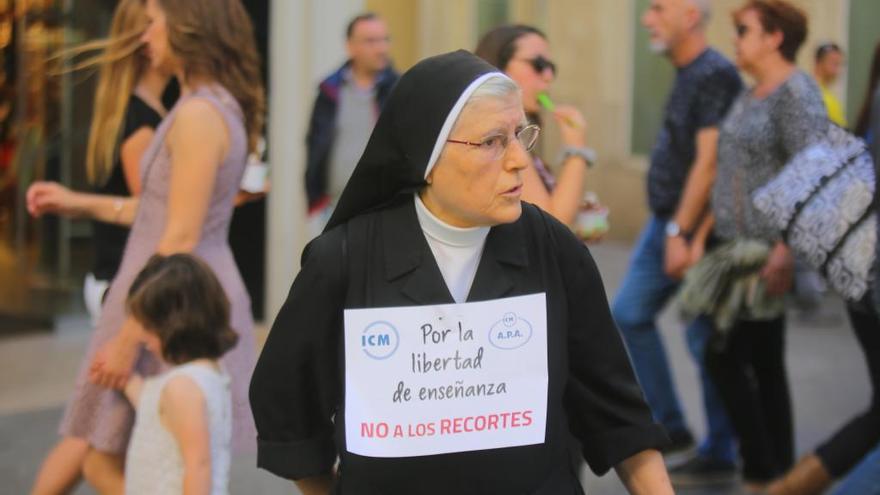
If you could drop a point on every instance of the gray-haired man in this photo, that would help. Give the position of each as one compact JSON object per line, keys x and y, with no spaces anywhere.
{"x":679,"y":184}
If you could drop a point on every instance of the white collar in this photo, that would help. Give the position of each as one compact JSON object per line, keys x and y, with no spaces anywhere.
{"x":447,"y":234}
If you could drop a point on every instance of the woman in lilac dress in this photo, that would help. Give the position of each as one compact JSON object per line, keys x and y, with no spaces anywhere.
{"x":191,"y":173}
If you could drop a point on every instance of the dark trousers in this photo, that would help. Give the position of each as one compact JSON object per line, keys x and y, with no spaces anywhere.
{"x":862,"y":433}
{"x":749,"y":371}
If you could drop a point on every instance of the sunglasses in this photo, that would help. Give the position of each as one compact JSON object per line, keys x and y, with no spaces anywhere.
{"x":540,"y":64}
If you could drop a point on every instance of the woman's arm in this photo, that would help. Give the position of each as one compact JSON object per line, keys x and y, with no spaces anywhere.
{"x":133,"y":389}
{"x":50,"y":197}
{"x":645,"y":474}
{"x":565,"y":199}
{"x":182,"y":410}
{"x":53,"y":198}
{"x":197,"y":142}
{"x":112,"y":364}
{"x":130,"y":154}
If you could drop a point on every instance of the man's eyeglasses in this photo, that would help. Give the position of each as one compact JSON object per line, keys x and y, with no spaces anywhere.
{"x":495,"y":145}
{"x":540,"y":64}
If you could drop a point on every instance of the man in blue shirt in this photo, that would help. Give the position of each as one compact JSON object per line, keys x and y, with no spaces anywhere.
{"x":679,"y":183}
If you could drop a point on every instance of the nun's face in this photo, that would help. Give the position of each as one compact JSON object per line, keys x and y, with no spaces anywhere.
{"x":470,"y":186}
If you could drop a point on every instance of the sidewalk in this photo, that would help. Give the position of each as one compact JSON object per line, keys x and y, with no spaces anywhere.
{"x":38,"y":371}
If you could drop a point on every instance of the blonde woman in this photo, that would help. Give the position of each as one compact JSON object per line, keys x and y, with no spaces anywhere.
{"x":127,"y":109}
{"x":191,"y":174}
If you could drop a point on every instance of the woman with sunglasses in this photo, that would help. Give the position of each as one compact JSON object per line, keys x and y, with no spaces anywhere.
{"x":768,"y":124}
{"x":523,"y":53}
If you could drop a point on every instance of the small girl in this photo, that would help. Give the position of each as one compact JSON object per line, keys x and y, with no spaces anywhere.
{"x":183,"y":426}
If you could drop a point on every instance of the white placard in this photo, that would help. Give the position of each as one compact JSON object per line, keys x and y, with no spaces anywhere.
{"x":426,"y":380}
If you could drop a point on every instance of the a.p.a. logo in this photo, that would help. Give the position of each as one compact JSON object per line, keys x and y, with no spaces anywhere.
{"x":510,"y":332}
{"x":380,"y":340}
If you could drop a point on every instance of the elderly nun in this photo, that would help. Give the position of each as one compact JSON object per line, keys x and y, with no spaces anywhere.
{"x":443,"y":337}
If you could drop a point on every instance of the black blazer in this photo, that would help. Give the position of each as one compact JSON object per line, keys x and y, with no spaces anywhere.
{"x":382,"y":259}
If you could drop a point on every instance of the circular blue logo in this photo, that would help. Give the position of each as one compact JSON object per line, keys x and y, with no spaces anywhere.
{"x":380,"y":340}
{"x":510,"y":332}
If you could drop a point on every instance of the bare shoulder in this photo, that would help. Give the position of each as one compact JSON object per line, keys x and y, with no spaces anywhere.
{"x":197,"y":108}
{"x":199,"y":121}
{"x":198,"y":117}
{"x":181,"y":390}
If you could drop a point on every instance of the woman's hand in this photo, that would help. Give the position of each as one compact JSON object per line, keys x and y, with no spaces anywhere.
{"x":51,"y":197}
{"x":114,"y":361}
{"x":778,"y":271}
{"x":572,"y":125}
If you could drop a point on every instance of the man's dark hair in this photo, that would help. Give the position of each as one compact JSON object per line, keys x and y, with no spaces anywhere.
{"x":179,"y":299}
{"x":366,"y":16}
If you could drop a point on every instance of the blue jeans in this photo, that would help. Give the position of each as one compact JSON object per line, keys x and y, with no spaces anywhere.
{"x":864,"y":478}
{"x":644,"y":292}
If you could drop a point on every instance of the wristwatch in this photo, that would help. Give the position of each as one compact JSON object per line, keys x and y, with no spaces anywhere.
{"x":588,"y":154}
{"x":673,"y":229}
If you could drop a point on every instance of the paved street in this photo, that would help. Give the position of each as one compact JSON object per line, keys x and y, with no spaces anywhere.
{"x":827,"y":373}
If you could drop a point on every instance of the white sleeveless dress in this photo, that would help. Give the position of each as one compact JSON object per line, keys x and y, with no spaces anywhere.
{"x":154,"y":463}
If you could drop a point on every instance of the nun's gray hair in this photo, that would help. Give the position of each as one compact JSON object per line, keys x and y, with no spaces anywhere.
{"x":492,"y":85}
{"x":494,"y":88}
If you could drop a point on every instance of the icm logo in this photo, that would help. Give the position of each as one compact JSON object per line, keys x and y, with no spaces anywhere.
{"x":510,"y":332}
{"x":380,"y":340}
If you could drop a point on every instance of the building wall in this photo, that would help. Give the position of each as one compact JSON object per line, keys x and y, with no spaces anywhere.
{"x":400,"y":16}
{"x":864,"y":34}
{"x":306,"y":41}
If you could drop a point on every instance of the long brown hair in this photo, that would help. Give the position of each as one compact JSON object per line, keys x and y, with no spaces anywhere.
{"x":121,"y":64}
{"x":863,"y":122}
{"x":498,"y":45}
{"x":215,"y":39}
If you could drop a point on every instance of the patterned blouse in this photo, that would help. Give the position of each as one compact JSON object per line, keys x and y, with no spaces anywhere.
{"x":756,"y":139}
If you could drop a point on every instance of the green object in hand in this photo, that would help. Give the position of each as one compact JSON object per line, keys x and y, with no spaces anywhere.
{"x":546,"y":102}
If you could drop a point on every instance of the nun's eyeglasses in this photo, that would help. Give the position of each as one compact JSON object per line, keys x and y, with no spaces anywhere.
{"x":495,"y":145}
